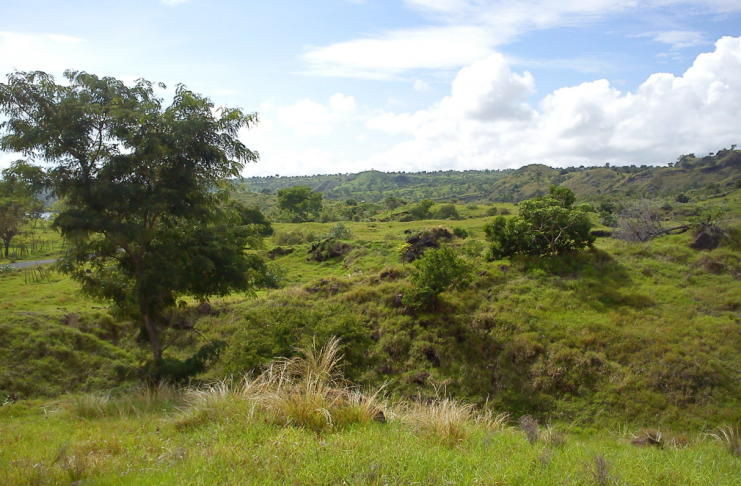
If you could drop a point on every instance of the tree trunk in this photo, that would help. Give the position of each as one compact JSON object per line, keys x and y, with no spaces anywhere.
{"x":153,"y":339}
{"x":7,"y":247}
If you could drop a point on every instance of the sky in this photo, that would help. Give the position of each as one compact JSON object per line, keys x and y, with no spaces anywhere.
{"x":343,"y":86}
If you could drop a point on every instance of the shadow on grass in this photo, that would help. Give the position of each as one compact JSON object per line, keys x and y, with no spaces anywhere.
{"x":594,"y":277}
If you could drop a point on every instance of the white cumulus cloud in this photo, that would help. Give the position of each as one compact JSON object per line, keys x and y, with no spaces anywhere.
{"x":486,"y":123}
{"x":342,"y":104}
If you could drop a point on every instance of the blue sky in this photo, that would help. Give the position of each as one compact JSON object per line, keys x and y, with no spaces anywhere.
{"x":349,"y":85}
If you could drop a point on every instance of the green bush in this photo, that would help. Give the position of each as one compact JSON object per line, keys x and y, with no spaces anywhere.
{"x":340,"y":232}
{"x":460,"y":232}
{"x":546,"y":225}
{"x":447,"y":211}
{"x":438,"y":270}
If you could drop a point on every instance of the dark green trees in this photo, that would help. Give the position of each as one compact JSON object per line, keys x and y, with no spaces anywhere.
{"x":301,"y":201}
{"x":546,"y":225}
{"x":142,"y":186}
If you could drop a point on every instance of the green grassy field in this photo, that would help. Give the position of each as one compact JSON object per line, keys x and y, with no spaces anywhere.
{"x":311,"y":428}
{"x":606,"y":343}
{"x":51,"y":448}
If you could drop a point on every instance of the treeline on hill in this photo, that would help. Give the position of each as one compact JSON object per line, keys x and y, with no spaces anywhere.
{"x":434,"y":195}
{"x":709,"y":175}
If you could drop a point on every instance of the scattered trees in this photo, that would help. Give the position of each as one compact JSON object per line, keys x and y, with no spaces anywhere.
{"x":546,"y":225}
{"x":143,"y":190}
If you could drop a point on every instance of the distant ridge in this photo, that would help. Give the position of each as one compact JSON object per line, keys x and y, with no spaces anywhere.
{"x":711,"y":174}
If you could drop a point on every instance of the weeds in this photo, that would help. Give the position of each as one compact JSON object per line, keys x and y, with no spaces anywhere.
{"x":307,"y":391}
{"x":530,"y":426}
{"x":600,"y":471}
{"x":553,"y":437}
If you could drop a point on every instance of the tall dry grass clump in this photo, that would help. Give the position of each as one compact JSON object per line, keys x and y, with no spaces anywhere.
{"x":309,"y":391}
{"x":306,"y":391}
{"x":449,"y":421}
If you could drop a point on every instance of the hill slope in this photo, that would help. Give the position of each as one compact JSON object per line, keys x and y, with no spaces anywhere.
{"x":707,"y":175}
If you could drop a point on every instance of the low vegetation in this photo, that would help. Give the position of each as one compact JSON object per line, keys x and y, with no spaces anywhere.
{"x":300,"y":421}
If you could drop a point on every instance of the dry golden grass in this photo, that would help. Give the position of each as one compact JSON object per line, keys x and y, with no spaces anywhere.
{"x":306,"y":391}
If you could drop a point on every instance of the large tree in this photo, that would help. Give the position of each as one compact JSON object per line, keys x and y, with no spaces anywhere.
{"x":143,"y":189}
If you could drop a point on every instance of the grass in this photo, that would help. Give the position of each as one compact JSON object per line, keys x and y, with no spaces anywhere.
{"x":226,"y":434}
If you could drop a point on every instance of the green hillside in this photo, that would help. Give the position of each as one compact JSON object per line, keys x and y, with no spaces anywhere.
{"x":374,"y":186}
{"x":703,"y":176}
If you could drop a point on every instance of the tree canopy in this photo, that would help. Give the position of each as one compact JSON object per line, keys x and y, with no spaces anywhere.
{"x":546,"y":225}
{"x":302,"y":201}
{"x":143,"y":189}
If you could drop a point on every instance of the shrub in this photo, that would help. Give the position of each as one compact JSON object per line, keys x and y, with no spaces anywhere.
{"x":460,"y":233}
{"x":438,"y":270}
{"x":683,"y":199}
{"x":447,"y":211}
{"x":340,"y":232}
{"x":422,"y":209}
{"x":546,"y":225}
{"x":607,"y":219}
{"x":492,"y":211}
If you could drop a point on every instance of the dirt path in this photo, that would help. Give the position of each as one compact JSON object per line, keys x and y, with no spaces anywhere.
{"x":29,"y":264}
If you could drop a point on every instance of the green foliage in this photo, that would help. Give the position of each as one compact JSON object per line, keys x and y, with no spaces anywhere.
{"x":438,"y":270}
{"x":172,"y":370}
{"x":143,"y":210}
{"x":269,"y":331}
{"x":608,"y":219}
{"x":301,"y":201}
{"x":547,"y":225}
{"x":392,"y":202}
{"x":340,"y":232}
{"x":682,"y":198}
{"x":293,"y":237}
{"x":253,"y":218}
{"x":447,"y":211}
{"x":460,"y":232}
{"x":422,"y":209}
